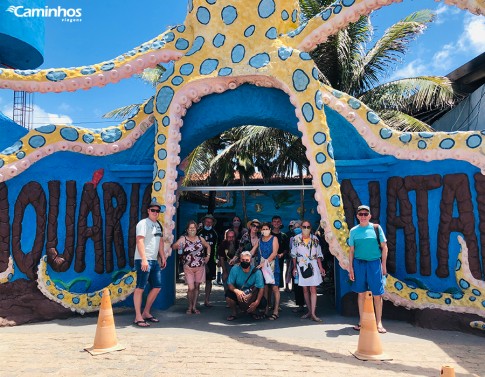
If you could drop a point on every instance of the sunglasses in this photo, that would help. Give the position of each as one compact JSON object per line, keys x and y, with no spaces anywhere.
{"x":154,"y":210}
{"x":363,"y":214}
{"x":255,"y":226}
{"x":306,"y":227}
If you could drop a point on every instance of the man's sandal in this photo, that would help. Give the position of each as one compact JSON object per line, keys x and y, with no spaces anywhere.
{"x":152,"y":319}
{"x":141,"y":323}
{"x":273,"y":317}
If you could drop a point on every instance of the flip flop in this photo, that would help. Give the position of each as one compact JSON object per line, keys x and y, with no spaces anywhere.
{"x":141,"y":323}
{"x":381,"y":330}
{"x":152,"y":319}
{"x":356,"y":327}
{"x":273,"y":317}
{"x":231,"y":318}
{"x":195,"y":311}
{"x":257,"y":317}
{"x":188,"y":311}
{"x":316,"y":319}
{"x":305,"y":316}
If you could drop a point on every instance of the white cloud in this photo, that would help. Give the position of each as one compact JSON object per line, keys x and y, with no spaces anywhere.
{"x":443,"y":59}
{"x":443,"y":11}
{"x":413,"y":69}
{"x":472,"y":39}
{"x":40,"y":116}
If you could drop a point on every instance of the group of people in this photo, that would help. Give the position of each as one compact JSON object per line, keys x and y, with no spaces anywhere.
{"x":252,"y":261}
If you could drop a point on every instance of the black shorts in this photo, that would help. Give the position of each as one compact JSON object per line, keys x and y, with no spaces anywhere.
{"x":210,"y":270}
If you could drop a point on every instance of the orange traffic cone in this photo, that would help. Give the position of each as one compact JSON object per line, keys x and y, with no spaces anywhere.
{"x":105,"y":339}
{"x":447,"y":371}
{"x":369,"y":347}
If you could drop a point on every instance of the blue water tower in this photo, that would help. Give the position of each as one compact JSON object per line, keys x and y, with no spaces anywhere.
{"x":21,"y":37}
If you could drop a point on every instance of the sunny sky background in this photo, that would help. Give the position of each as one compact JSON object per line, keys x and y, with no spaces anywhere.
{"x":110,"y":28}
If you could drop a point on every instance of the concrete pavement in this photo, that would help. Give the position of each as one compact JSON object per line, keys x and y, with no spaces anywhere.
{"x":208,"y":345}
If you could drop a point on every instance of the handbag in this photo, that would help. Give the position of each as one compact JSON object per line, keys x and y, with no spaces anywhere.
{"x":267,"y":273}
{"x":307,"y":272}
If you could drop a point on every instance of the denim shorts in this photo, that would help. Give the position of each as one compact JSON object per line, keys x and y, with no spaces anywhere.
{"x":152,"y":276}
{"x":368,"y":277}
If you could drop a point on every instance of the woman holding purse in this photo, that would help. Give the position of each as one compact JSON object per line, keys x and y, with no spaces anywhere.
{"x":268,"y":250}
{"x":307,"y":254}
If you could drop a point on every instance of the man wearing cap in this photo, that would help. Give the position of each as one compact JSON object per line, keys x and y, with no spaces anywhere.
{"x":210,"y":235}
{"x":367,"y":262}
{"x":149,"y":246}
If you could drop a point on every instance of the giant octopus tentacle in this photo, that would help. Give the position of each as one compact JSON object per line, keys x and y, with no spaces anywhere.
{"x":343,"y":12}
{"x":425,"y":146}
{"x":7,"y":274}
{"x":83,"y":302}
{"x":164,"y":48}
{"x":470,"y":300}
{"x":46,"y":140}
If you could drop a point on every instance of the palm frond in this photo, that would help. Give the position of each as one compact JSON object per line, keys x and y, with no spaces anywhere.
{"x":152,"y":75}
{"x":390,"y":49}
{"x":400,"y":121}
{"x":411,"y":94}
{"x":123,"y":112}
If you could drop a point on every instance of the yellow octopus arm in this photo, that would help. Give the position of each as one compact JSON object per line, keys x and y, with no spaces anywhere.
{"x":83,"y":302}
{"x":6,"y":275}
{"x":46,"y":140}
{"x":168,"y":46}
{"x":470,"y":300}
{"x":343,"y":12}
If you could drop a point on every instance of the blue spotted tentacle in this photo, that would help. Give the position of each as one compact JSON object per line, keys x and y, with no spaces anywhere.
{"x":46,"y":140}
{"x":341,"y":13}
{"x":471,"y":299}
{"x":7,"y":275}
{"x":164,"y":48}
{"x":83,"y":302}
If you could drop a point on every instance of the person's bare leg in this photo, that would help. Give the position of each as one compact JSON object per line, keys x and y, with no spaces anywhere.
{"x":266,"y":295}
{"x":378,"y":308}
{"x":137,"y":299}
{"x":195,"y":298}
{"x":150,"y":300}
{"x":208,"y":290}
{"x":190,"y":297}
{"x":232,"y":306}
{"x":276,"y":293}
{"x":306,"y":295}
{"x":313,"y":303}
{"x":360,"y":303}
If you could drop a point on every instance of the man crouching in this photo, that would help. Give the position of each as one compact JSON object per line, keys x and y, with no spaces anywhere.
{"x":245,"y":288}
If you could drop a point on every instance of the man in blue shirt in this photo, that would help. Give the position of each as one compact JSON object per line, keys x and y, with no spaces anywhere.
{"x":367,"y":262}
{"x":245,"y":288}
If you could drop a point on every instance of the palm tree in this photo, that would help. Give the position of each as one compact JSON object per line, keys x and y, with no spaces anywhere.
{"x":349,"y":65}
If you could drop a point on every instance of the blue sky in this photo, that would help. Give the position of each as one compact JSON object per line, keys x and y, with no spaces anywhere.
{"x":109,"y":28}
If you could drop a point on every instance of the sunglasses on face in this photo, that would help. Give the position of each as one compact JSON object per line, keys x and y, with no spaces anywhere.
{"x":255,"y":226}
{"x":363,"y":214}
{"x":154,"y":210}
{"x":306,"y":227}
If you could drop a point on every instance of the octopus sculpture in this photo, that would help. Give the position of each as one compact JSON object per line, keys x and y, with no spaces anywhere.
{"x":222,"y":45}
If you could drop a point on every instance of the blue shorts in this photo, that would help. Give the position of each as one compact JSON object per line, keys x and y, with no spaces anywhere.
{"x":153,"y":275}
{"x":368,"y":277}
